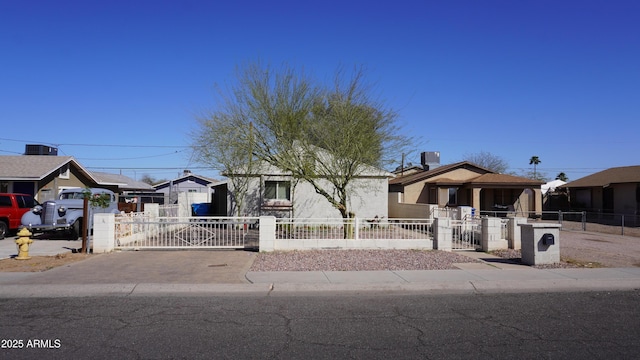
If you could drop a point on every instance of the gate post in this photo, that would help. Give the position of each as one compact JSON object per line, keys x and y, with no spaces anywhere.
{"x":267,"y":240}
{"x":104,"y":233}
{"x":492,"y":235}
{"x":443,"y":239}
{"x":514,"y":232}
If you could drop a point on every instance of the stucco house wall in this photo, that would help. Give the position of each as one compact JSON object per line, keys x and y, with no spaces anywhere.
{"x":368,"y":196}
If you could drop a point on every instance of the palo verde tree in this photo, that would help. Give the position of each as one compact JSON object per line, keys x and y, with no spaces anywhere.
{"x":324,"y":135}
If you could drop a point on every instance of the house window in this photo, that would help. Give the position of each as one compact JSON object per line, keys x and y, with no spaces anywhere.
{"x":64,"y":172}
{"x":277,"y":190}
{"x":453,"y":196}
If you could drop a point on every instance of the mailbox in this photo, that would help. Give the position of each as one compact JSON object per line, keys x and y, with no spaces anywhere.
{"x":548,"y":239}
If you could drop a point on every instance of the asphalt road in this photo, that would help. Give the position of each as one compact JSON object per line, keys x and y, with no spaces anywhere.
{"x":594,"y":325}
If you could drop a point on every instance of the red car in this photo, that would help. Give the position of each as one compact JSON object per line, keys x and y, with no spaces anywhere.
{"x":12,"y":207}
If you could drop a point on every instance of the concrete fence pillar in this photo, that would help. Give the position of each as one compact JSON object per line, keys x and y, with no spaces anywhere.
{"x":540,"y":243}
{"x":492,"y":235}
{"x":267,"y":240}
{"x":104,"y":233}
{"x":443,"y":234}
{"x":152,"y":210}
{"x":514,"y":233}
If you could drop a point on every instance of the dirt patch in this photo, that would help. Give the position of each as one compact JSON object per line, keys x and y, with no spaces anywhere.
{"x":40,"y":263}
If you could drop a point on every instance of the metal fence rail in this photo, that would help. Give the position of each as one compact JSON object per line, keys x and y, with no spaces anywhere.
{"x":353,"y":228}
{"x":193,"y":232}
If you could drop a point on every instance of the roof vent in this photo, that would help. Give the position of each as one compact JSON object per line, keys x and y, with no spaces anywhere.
{"x":40,"y":150}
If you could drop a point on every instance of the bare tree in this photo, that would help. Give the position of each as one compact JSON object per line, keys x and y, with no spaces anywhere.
{"x":326,"y":136}
{"x":488,"y":161}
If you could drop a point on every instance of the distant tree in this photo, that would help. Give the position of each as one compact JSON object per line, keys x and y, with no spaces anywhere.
{"x":562,"y":177}
{"x":146,"y":178}
{"x":534,"y":161}
{"x":488,"y":160}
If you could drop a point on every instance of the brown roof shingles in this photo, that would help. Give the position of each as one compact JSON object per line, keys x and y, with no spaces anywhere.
{"x":616,"y":175}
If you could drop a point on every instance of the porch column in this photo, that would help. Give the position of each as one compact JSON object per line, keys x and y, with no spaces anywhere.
{"x":475,"y":199}
{"x":537,"y":194}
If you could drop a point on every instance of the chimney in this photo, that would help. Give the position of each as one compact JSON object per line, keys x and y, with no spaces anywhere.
{"x":186,"y":172}
{"x":430,"y":160}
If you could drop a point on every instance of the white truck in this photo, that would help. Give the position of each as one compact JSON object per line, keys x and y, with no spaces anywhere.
{"x":66,"y":213}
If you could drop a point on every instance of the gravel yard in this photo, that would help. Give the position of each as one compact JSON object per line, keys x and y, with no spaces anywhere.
{"x":357,"y":260}
{"x":577,"y":250}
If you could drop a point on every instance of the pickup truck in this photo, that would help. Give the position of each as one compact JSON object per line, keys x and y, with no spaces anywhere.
{"x":66,"y":213}
{"x":12,"y":207}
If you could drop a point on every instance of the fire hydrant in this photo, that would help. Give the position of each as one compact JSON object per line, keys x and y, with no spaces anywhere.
{"x":23,"y":242}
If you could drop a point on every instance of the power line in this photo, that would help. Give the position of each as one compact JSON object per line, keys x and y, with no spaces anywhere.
{"x":97,"y":145}
{"x":131,"y":158}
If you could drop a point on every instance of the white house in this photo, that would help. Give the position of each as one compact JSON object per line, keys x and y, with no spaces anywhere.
{"x":187,"y":183}
{"x":272,"y":191}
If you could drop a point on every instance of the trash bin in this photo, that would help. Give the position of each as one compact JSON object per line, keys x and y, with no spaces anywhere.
{"x":201,"y":209}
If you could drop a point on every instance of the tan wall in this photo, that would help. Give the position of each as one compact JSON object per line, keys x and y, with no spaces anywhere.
{"x":458,"y":175}
{"x":49,"y":188}
{"x":413,"y":193}
{"x":418,"y":192}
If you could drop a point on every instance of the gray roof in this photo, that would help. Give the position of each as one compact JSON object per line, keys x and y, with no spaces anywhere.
{"x":37,"y":167}
{"x":203,"y":180}
{"x":124,"y":183}
{"x":33,"y":167}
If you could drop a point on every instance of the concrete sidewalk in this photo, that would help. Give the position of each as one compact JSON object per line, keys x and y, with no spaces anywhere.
{"x":8,"y":247}
{"x":214,"y":273}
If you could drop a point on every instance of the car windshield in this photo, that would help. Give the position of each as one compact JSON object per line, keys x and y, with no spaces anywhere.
{"x":72,"y":195}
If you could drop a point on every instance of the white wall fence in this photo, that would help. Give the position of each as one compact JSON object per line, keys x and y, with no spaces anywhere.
{"x":148,"y":230}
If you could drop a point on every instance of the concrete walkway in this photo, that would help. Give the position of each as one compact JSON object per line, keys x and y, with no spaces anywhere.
{"x":214,"y":273}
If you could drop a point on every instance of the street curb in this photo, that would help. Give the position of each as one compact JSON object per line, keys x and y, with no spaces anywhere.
{"x":477,"y":287}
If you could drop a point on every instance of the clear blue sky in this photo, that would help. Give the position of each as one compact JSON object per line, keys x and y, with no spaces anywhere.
{"x":551,"y":78}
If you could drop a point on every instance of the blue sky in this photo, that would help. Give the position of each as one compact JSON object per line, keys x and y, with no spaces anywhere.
{"x":117,"y":84}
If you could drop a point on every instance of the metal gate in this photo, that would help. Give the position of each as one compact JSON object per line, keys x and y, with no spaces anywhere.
{"x":143,"y":232}
{"x":466,"y":234}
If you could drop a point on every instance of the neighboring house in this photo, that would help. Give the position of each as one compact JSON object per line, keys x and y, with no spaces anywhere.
{"x":272,"y":191}
{"x":187,"y":183}
{"x":615,"y":190}
{"x":465,"y":184}
{"x":44,"y":176}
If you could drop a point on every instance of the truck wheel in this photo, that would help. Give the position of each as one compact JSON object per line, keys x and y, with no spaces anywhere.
{"x":76,"y":230}
{"x":3,"y":229}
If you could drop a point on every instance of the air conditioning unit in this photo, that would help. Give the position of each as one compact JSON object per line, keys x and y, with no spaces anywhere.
{"x":40,"y":150}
